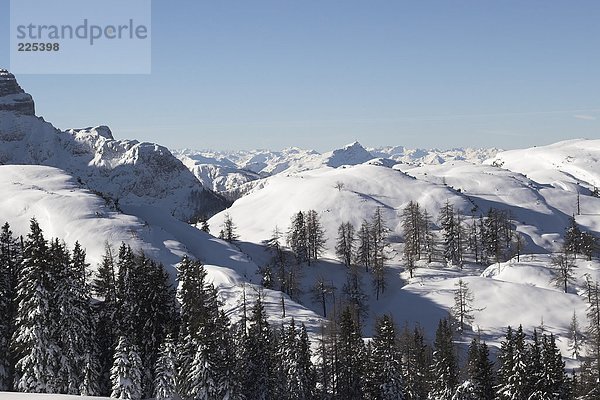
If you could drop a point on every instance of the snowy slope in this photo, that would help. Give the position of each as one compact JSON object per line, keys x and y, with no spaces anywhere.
{"x":230,"y":172}
{"x":563,"y":164}
{"x":127,"y":171}
{"x":540,"y":213}
{"x":66,"y":210}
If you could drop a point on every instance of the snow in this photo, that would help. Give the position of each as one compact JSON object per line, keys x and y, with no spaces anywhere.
{"x":127,"y":171}
{"x":42,"y":396}
{"x":66,"y":210}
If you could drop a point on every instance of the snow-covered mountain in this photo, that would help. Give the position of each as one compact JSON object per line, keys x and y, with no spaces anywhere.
{"x":230,"y":173}
{"x":564,"y":164}
{"x":539,"y":212}
{"x":126,"y":171}
{"x":85,"y":185}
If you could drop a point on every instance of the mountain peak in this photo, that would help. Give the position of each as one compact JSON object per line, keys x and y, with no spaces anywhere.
{"x":351,"y":154}
{"x":13,"y":97}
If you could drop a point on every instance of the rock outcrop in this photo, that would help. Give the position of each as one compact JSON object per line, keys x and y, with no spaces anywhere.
{"x":12,"y":97}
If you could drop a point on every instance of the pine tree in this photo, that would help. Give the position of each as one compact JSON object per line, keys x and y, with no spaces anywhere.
{"x":165,"y":374}
{"x":33,"y":342}
{"x":126,"y":374}
{"x":199,"y":331}
{"x":575,"y":337}
{"x":444,"y":369}
{"x":259,"y":348}
{"x":414,"y":229}
{"x":563,"y":266}
{"x":364,"y":252}
{"x":386,"y":363}
{"x":451,"y":234}
{"x":379,"y":234}
{"x":75,"y":330}
{"x":229,"y":229}
{"x":462,"y":311}
{"x":9,"y":260}
{"x":513,"y":383}
{"x":350,"y":358}
{"x":416,"y":364}
{"x":480,"y":371}
{"x":104,"y":286}
{"x":322,"y":292}
{"x":297,"y":238}
{"x":315,"y":236}
{"x":573,"y":238}
{"x":344,"y":248}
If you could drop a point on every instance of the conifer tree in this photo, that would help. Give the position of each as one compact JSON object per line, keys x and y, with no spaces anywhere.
{"x":344,"y":248}
{"x":444,"y":369}
{"x":33,"y":341}
{"x":126,"y":374}
{"x":297,"y":237}
{"x":315,"y":236}
{"x":513,"y":379}
{"x":386,"y":363}
{"x":165,"y":374}
{"x":364,"y":250}
{"x":75,"y":330}
{"x":229,"y":229}
{"x":259,"y":348}
{"x":350,"y":358}
{"x":575,"y":337}
{"x":104,"y":286}
{"x":462,"y":311}
{"x":480,"y":371}
{"x":379,"y":234}
{"x":416,"y":363}
{"x":563,"y":266}
{"x":9,"y":260}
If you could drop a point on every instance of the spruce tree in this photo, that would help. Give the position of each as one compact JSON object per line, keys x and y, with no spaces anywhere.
{"x":259,"y":349}
{"x":104,"y":286}
{"x":75,"y":330}
{"x":350,"y":358}
{"x":165,"y":373}
{"x":386,"y":362}
{"x":9,"y":260}
{"x":480,"y":371}
{"x":416,"y":357}
{"x":126,"y":374}
{"x":34,"y":345}
{"x":297,"y":237}
{"x":444,"y":369}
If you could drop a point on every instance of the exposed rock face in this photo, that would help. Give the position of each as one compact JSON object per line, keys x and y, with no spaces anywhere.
{"x":126,"y":173}
{"x":12,"y":97}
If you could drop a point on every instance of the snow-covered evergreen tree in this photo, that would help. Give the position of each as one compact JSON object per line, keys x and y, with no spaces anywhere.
{"x":9,"y":260}
{"x":386,"y":363}
{"x":297,"y":237}
{"x":37,"y":353}
{"x":165,"y":373}
{"x":415,"y":367}
{"x":75,"y":330}
{"x":444,"y":369}
{"x":350,"y":359}
{"x":126,"y":374}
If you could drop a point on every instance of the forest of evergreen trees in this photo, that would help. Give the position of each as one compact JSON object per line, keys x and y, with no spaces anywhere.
{"x":125,"y":332}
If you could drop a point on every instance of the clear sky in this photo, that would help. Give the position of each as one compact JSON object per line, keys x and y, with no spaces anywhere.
{"x":322,"y":73}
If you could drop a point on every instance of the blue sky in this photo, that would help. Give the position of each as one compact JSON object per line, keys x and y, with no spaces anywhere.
{"x":320,"y":74}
